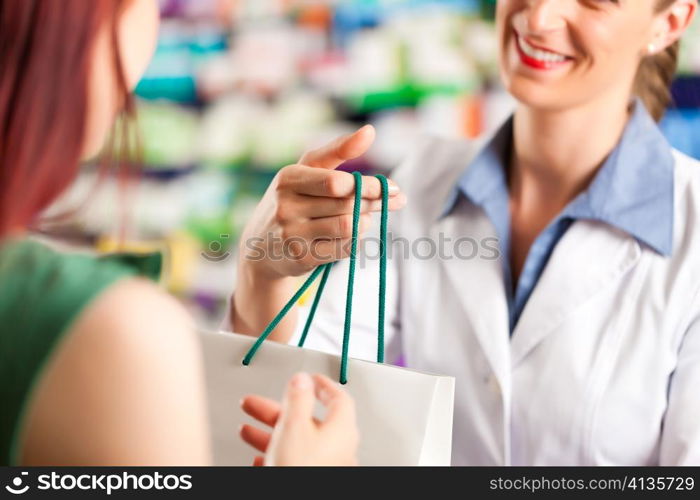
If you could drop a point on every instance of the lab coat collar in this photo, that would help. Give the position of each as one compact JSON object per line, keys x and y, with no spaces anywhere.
{"x":590,"y":259}
{"x":485,"y":174}
{"x":632,"y":191}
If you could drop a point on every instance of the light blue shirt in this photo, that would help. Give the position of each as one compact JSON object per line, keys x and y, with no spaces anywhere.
{"x":632,"y":191}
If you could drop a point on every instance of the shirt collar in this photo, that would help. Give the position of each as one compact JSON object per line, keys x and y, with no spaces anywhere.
{"x":632,"y":191}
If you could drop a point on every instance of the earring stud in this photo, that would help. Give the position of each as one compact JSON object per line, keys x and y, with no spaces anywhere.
{"x":651,"y":48}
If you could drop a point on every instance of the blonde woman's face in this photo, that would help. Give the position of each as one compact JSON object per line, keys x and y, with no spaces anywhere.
{"x":560,"y":54}
{"x":138,"y":33}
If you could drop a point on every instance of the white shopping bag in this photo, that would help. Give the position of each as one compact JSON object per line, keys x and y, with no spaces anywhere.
{"x":404,"y":416}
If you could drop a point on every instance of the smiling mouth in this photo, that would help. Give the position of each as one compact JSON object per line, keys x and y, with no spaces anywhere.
{"x":537,"y":57}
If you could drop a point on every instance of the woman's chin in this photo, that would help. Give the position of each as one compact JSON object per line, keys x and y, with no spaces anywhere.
{"x":536,"y":96}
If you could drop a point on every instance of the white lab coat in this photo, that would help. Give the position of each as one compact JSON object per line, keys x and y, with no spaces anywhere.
{"x":604,"y":364}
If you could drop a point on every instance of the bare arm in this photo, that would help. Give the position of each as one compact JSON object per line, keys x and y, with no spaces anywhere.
{"x":257,"y":300}
{"x":125,"y":387}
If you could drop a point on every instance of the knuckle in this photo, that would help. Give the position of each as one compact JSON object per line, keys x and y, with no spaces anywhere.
{"x":344,"y":205}
{"x":284,"y":177}
{"x":298,"y":251}
{"x":281,"y":182}
{"x":335,"y":183}
{"x":345,"y":226}
{"x":281,"y":213}
{"x":287,"y":232}
{"x":308,"y":156}
{"x":330,"y":185}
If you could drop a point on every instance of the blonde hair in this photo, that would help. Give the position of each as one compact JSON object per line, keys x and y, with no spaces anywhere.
{"x":655,"y":75}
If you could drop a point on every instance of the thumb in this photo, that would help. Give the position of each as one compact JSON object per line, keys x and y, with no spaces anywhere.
{"x":344,"y":148}
{"x":299,"y":399}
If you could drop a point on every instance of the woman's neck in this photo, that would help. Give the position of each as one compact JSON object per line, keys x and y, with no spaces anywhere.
{"x":557,"y":153}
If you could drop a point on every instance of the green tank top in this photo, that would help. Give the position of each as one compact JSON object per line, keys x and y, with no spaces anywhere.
{"x":42,"y":292}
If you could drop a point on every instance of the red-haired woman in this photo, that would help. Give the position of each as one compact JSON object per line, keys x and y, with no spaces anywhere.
{"x":98,"y":365}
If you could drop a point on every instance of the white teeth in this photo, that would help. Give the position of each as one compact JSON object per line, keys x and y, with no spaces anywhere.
{"x":538,"y":54}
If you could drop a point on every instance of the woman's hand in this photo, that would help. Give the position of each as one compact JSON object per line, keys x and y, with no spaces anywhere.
{"x":305,"y":217}
{"x":303,"y":220}
{"x":298,"y":438}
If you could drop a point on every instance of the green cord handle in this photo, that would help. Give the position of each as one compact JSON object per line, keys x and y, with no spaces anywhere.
{"x":273,"y":324}
{"x":382,"y":266}
{"x":317,"y":299}
{"x":325,"y":269}
{"x":351,"y":278}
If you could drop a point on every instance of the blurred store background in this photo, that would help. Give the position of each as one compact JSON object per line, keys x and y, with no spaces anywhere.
{"x":240,"y":88}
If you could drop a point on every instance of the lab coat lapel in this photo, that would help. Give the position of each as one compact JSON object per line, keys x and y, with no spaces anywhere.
{"x":478,"y":284}
{"x":590,"y":257}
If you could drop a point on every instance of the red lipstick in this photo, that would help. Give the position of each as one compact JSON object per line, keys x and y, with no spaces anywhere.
{"x":536,"y":63}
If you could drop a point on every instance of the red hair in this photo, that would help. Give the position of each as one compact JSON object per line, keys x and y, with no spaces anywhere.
{"x":46,"y":50}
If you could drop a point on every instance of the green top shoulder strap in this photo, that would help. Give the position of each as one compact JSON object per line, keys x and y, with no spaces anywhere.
{"x":42,"y":292}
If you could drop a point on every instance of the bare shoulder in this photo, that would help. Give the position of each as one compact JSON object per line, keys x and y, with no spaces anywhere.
{"x":136,"y":310}
{"x":125,"y":386}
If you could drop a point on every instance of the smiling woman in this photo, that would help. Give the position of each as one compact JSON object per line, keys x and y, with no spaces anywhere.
{"x":571,"y":64}
{"x":580,"y":345}
{"x":590,"y":48}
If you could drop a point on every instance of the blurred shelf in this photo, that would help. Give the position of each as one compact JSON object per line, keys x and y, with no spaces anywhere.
{"x":686,"y":92}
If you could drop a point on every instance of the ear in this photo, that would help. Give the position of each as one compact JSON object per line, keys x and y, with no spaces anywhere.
{"x":671,"y":23}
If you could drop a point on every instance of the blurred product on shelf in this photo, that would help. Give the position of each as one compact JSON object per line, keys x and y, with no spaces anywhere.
{"x":168,"y":136}
{"x":239,"y":88}
{"x":682,"y":127}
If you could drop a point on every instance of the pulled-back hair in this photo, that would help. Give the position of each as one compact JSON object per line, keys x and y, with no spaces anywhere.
{"x":656,"y":73}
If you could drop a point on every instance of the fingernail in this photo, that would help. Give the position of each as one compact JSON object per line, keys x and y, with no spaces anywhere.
{"x":394,"y":189}
{"x":359,"y":131}
{"x":302,"y":381}
{"x":240,"y":402}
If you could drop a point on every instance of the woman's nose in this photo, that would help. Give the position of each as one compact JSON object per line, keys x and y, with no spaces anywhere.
{"x":545,"y":15}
